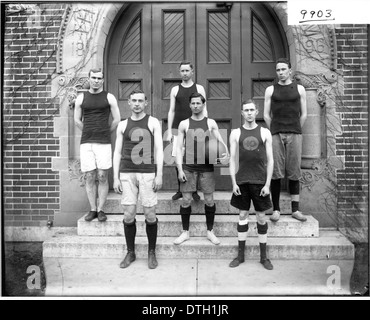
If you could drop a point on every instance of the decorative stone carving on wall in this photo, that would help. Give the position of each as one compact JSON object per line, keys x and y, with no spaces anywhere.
{"x":75,"y":173}
{"x":72,"y":87}
{"x":321,"y":169}
{"x":325,"y":83}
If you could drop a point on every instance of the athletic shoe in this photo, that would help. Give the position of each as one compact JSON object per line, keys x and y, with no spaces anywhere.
{"x":177,"y":196}
{"x":130,"y":257}
{"x":152,"y":260}
{"x":211,"y":237}
{"x":91,"y":216}
{"x":267,"y":264}
{"x":236,"y":262}
{"x":299,"y":216}
{"x":196,"y":196}
{"x":182,"y":238}
{"x":101,"y":216}
{"x":275,"y":216}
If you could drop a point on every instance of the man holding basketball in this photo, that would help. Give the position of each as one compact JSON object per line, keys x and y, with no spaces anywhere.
{"x":193,"y":167}
{"x":251,"y":166}
{"x":179,"y":109}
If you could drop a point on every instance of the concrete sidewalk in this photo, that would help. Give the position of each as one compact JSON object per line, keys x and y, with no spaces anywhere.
{"x":196,"y":277}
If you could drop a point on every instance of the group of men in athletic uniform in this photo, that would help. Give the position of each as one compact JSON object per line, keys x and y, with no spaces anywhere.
{"x":259,"y":157}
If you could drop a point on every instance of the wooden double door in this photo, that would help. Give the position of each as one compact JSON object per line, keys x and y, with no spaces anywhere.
{"x":233,"y":49}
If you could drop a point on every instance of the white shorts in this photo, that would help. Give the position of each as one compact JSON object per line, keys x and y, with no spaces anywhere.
{"x":95,"y":156}
{"x":135,"y":185}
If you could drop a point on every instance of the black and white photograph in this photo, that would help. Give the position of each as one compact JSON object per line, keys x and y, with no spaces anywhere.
{"x":203,"y":150}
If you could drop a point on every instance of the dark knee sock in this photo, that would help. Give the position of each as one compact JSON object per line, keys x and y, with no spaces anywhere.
{"x":262,"y":231}
{"x":130,"y":234}
{"x":275,"y":193}
{"x":210,"y":216}
{"x":185,"y":217}
{"x":294,"y":190}
{"x":151,"y":232}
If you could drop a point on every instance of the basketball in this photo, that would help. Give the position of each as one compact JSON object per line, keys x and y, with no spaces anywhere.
{"x":213,"y":151}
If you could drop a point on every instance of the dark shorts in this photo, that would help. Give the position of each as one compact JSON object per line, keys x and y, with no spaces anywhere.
{"x":251,"y":192}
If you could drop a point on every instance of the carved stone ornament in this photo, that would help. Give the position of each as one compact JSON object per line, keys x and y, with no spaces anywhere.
{"x":75,"y":173}
{"x":73,"y":86}
{"x":321,"y":169}
{"x":324,"y":83}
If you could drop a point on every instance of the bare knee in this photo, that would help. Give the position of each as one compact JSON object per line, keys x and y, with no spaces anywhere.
{"x":129,"y":214}
{"x":261,"y":218}
{"x":186,"y":200}
{"x":208,"y":199}
{"x":103,"y":176}
{"x":150,"y":215}
{"x":90,"y":177}
{"x":243,"y":215}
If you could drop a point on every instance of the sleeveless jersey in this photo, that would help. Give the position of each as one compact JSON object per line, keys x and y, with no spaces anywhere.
{"x":286,"y":109}
{"x":182,"y":108}
{"x":252,"y":157}
{"x":138,"y":147}
{"x":195,"y":153}
{"x":95,"y":112}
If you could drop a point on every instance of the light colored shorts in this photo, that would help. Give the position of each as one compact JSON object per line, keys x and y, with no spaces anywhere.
{"x":206,"y":182}
{"x":138,"y":185}
{"x":95,"y":156}
{"x":287,"y":153}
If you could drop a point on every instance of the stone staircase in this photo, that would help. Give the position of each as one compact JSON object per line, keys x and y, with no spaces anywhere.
{"x":288,"y":238}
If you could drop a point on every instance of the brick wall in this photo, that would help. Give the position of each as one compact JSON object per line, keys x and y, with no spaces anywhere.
{"x":353,"y":190}
{"x":30,"y":188}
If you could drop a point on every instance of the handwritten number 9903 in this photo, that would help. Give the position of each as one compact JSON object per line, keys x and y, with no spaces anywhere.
{"x":316,"y":14}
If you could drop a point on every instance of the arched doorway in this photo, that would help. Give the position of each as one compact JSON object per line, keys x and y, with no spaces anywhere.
{"x":233,"y":48}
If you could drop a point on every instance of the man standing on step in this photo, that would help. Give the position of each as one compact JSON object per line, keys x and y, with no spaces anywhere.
{"x":91,"y":115}
{"x":251,"y":166}
{"x":179,"y":110}
{"x":138,"y":172}
{"x":194,"y":168}
{"x":285,"y":114}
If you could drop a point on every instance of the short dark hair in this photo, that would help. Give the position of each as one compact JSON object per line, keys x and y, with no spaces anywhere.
{"x":185,"y":62}
{"x":250,"y":101}
{"x":284,"y":60}
{"x":197,"y":95}
{"x":96,"y":70}
{"x":136,"y":92}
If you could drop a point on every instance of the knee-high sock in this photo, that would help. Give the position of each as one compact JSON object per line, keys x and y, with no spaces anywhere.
{"x":185,"y":217}
{"x":151,"y":232}
{"x":294,"y":192}
{"x":275,"y":193}
{"x":242,"y":228}
{"x":262,"y":238}
{"x":130,"y":234}
{"x":210,"y":216}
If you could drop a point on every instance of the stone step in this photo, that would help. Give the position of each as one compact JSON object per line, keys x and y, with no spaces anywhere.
{"x":167,"y":205}
{"x":330,"y":245}
{"x":225,"y":226}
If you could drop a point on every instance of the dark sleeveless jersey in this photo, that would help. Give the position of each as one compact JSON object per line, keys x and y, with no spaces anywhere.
{"x":286,"y":109}
{"x":195,"y":153}
{"x":95,"y":113}
{"x":138,"y":147}
{"x":182,"y":108}
{"x":252,"y":157}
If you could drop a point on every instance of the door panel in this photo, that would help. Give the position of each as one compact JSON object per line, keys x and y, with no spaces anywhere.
{"x":173,"y":41}
{"x":129,"y":57}
{"x":218,"y":60}
{"x":233,"y":48}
